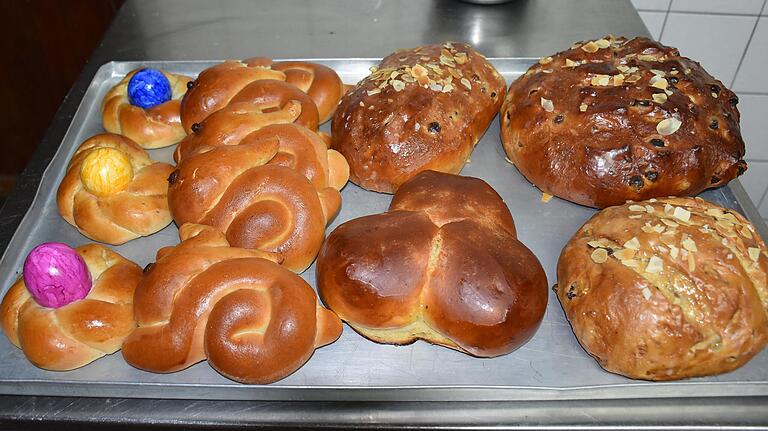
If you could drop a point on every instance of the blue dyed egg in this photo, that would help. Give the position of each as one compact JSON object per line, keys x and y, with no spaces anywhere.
{"x":148,"y":88}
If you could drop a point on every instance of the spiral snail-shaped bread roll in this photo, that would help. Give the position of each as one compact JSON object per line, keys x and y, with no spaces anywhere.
{"x":253,"y":320}
{"x":217,"y":86}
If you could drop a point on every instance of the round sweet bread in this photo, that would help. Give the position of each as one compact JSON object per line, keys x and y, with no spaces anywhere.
{"x":666,"y":289}
{"x":613,"y":120}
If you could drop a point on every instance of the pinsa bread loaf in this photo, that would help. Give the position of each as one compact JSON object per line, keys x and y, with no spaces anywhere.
{"x":253,"y":320}
{"x":666,"y":289}
{"x":442,"y":265}
{"x":612,"y":120}
{"x":420,"y":109}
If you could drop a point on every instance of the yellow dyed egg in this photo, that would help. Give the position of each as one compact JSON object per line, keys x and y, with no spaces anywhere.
{"x":106,"y":171}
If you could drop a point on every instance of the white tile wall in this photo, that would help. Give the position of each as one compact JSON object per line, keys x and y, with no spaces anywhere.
{"x":745,"y":7}
{"x":654,"y":21}
{"x":658,"y":5}
{"x":715,"y":41}
{"x":752,"y":75}
{"x":754,"y":125}
{"x":730,"y":39}
{"x":755,"y":181}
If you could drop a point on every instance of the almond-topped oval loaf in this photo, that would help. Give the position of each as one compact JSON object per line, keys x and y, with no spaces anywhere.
{"x":613,"y":120}
{"x":666,"y":289}
{"x":423,"y":108}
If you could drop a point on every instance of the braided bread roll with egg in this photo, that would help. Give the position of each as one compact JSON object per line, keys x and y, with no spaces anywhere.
{"x":253,"y":320}
{"x":613,"y":120}
{"x":216,"y":86}
{"x":261,"y":178}
{"x":443,"y":265}
{"x":113,"y":192}
{"x":82,"y":331}
{"x":666,"y":289}
{"x":423,"y":108}
{"x":155,"y":127}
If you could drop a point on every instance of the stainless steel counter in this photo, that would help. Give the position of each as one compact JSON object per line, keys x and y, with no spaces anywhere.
{"x":208,"y":29}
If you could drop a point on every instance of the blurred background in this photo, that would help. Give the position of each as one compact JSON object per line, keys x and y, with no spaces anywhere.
{"x":48,"y":42}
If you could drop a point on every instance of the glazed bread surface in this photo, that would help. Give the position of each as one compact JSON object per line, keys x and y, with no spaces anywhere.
{"x":420,"y":109}
{"x":216,"y":86}
{"x":666,"y":289}
{"x":253,"y":320}
{"x":139,"y":209}
{"x":442,"y":265}
{"x":78,"y":333}
{"x":266,"y":182}
{"x":614,"y":120}
{"x":156,"y":127}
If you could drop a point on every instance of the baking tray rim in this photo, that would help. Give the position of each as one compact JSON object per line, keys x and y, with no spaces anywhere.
{"x":461,"y":392}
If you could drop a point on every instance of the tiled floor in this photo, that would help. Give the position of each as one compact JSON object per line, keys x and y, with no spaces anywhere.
{"x":730,"y":39}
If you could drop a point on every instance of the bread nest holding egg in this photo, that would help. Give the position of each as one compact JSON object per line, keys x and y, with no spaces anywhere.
{"x":151,"y":126}
{"x":112,"y":191}
{"x":75,"y":334}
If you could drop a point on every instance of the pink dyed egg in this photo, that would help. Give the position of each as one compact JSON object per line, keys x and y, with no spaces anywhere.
{"x":56,"y":275}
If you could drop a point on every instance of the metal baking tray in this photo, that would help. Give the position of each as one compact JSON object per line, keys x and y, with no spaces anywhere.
{"x":550,"y":366}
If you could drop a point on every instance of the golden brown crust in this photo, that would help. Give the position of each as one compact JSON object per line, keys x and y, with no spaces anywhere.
{"x":216,"y":86}
{"x":320,"y":83}
{"x":428,"y":272}
{"x":140,"y":209}
{"x":423,"y":108}
{"x":264,"y":182}
{"x":676,"y":292}
{"x":595,"y":125}
{"x":253,"y":320}
{"x":156,"y":127}
{"x":80,"y":332}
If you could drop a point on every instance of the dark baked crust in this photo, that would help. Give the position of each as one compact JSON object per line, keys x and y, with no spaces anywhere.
{"x":451,"y":273}
{"x":599,"y":145}
{"x":423,"y":108}
{"x":700,"y":308}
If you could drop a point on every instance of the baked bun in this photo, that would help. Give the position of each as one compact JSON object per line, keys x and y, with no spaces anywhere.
{"x":216,"y":86}
{"x":446,"y":267}
{"x":80,"y":332}
{"x":614,"y":120}
{"x":422,"y":109}
{"x":273,"y":188}
{"x":253,"y":320}
{"x":666,"y":289}
{"x":155,"y":127}
{"x":113,"y":192}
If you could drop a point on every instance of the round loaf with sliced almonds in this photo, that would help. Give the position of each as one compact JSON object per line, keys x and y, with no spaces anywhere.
{"x":613,"y":120}
{"x":666,"y":289}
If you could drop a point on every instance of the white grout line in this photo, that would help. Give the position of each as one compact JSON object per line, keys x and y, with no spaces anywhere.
{"x":664,"y":24}
{"x":749,"y":42}
{"x":752,"y":93}
{"x":682,"y":12}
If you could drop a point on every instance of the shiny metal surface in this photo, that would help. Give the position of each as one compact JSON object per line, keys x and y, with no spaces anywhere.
{"x":210,"y":29}
{"x":186,"y":30}
{"x":551,"y":366}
